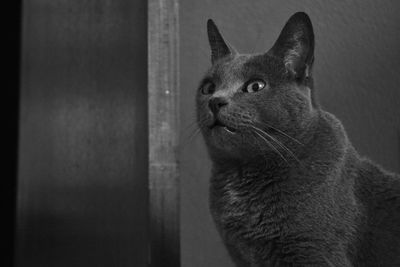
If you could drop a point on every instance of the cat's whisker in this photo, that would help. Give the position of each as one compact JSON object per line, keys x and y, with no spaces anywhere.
{"x":194,"y":132}
{"x":188,"y":134}
{"x":260,"y":132}
{"x":190,"y":125}
{"x":282,"y":132}
{"x":288,"y":150}
{"x":277,"y":142}
{"x":194,"y":123}
{"x":283,"y":146}
{"x":191,"y":137}
{"x":259,"y":144}
{"x":272,"y":146}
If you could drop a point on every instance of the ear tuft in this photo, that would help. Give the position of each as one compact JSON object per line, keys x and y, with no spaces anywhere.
{"x":295,"y":46}
{"x":219,"y":48}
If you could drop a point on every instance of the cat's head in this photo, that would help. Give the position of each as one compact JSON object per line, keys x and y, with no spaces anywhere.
{"x":245,"y":101}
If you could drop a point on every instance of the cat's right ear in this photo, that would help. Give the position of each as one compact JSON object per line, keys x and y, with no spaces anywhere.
{"x":295,"y":46}
{"x":219,"y":48}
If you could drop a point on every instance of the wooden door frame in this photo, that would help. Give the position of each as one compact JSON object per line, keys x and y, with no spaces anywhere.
{"x":163,"y":112}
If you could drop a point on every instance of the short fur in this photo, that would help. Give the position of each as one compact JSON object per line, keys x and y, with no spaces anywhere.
{"x":287,"y":186}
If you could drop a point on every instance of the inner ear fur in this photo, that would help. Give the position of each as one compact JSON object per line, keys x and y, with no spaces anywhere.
{"x":295,"y":46}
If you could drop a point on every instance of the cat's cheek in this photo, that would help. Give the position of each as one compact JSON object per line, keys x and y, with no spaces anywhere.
{"x":275,"y":115}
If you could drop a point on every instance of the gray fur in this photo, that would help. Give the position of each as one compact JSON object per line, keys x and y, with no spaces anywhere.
{"x":310,"y":200}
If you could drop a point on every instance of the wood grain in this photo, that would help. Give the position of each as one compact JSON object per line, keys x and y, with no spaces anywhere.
{"x":163,"y":132}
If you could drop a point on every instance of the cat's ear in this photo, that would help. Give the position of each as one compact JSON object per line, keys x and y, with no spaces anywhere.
{"x":295,"y":46}
{"x":219,"y":48}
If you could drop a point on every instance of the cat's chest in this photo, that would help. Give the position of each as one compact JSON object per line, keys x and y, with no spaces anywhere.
{"x":248,"y":209}
{"x":260,"y":222}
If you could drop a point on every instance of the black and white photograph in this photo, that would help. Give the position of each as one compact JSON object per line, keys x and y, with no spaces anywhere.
{"x":190,"y":133}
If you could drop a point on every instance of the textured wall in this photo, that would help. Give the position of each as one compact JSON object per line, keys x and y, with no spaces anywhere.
{"x":357,"y":78}
{"x":83,"y":158}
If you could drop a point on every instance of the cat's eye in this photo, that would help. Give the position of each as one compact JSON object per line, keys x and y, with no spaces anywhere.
{"x":254,"y":86}
{"x":208,"y":88}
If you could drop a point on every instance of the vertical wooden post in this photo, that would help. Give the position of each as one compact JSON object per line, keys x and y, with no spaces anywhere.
{"x":163,"y":106}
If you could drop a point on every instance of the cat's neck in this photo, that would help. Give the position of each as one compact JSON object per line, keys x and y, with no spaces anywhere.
{"x":325,"y":145}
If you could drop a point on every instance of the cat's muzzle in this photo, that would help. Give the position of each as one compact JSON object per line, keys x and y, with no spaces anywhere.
{"x":217,"y":123}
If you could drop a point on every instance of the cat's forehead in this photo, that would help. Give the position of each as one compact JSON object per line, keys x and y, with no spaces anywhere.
{"x":229,"y":68}
{"x":243,"y":66}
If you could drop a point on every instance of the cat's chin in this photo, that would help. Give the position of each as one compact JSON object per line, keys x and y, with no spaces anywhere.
{"x":218,"y":126}
{"x":225,"y":142}
{"x":222,"y":134}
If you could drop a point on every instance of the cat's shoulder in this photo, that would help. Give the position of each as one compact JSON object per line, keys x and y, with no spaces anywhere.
{"x":378,"y":189}
{"x":378,"y":194}
{"x":376,"y":178}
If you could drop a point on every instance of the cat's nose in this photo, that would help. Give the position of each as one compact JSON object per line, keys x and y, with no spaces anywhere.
{"x":216,"y":103}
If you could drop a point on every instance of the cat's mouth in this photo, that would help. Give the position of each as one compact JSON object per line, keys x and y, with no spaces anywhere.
{"x":217,"y":124}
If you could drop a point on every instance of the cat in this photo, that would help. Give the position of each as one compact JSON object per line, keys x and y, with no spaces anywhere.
{"x":287,"y":187}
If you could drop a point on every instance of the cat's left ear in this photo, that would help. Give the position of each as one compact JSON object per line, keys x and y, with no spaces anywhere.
{"x":295,"y":46}
{"x":219,"y":47}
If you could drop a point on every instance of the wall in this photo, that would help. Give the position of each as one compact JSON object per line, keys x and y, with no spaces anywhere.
{"x":356,"y":71}
{"x":83,"y":155}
